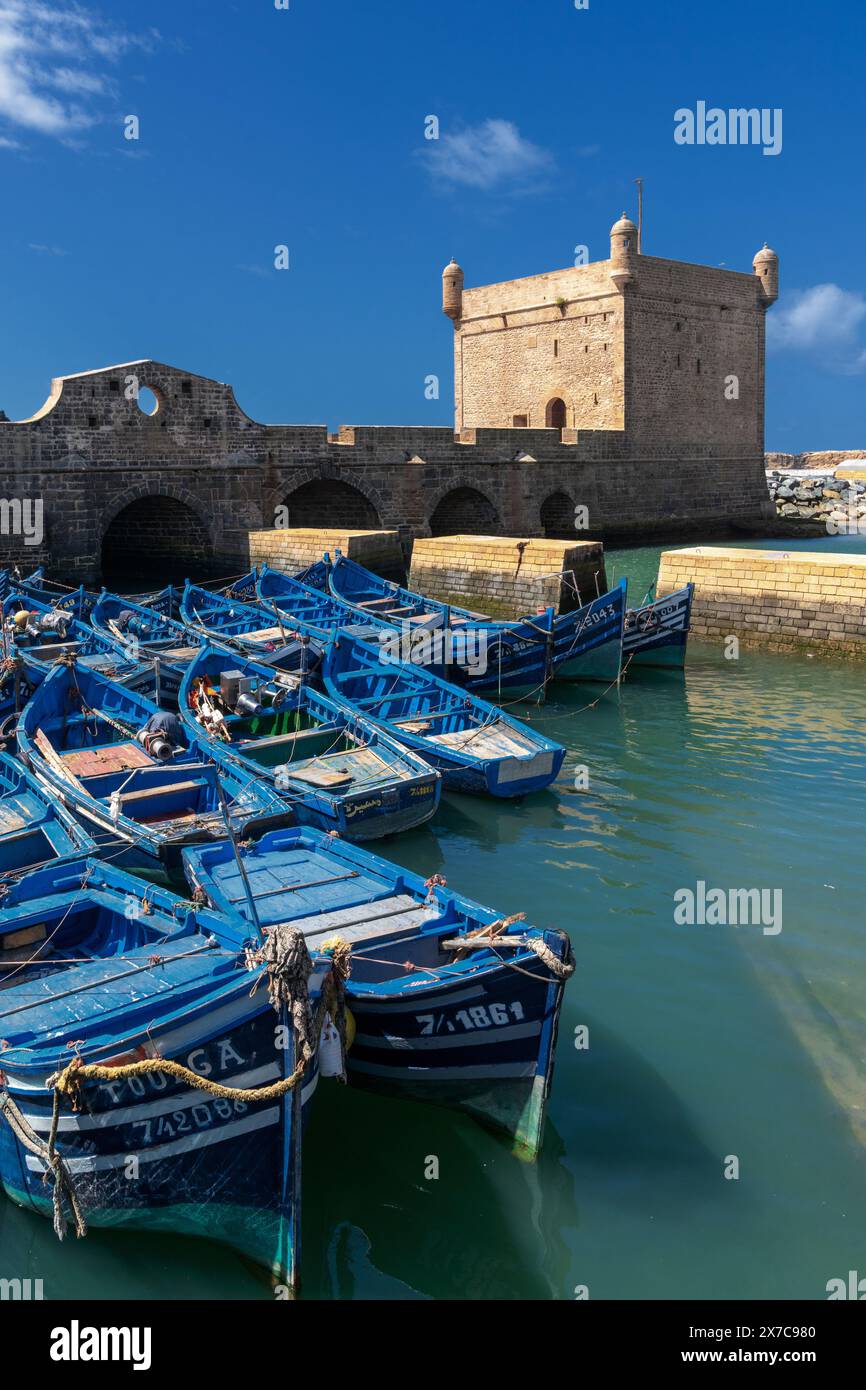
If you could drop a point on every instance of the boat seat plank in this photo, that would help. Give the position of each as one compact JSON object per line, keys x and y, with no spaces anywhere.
{"x":162,"y":789}
{"x":389,"y":916}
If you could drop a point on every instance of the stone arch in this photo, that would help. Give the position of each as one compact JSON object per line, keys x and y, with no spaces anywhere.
{"x":319,"y":501}
{"x":557,"y":517}
{"x":556,"y":414}
{"x":155,"y":536}
{"x":464,"y":510}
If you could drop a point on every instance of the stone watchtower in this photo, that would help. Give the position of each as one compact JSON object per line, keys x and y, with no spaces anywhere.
{"x":666,"y":355}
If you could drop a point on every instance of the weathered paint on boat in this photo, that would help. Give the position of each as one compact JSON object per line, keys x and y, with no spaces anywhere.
{"x":476,"y":746}
{"x":126,"y":972}
{"x":34,"y":827}
{"x":656,"y":634}
{"x":339,"y":771}
{"x":474,"y":1028}
{"x":79,"y":736}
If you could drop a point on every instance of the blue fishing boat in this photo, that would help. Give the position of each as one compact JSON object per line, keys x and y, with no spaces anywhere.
{"x":452,"y":1003}
{"x":40,"y":635}
{"x":75,"y":602}
{"x":500,"y":658}
{"x":339,"y":771}
{"x":267,"y":624}
{"x":268,"y":636}
{"x":139,"y":783}
{"x":476,"y":746}
{"x":656,"y":633}
{"x":124,"y":619}
{"x":145,"y":1085}
{"x":34,"y":828}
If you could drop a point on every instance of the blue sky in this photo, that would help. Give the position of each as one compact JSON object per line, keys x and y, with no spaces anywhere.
{"x":304,"y":127}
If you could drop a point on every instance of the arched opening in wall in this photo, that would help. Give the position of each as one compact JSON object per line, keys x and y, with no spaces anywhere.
{"x":327,"y":502}
{"x":465,"y":511}
{"x":155,"y":541}
{"x":557,"y":517}
{"x":555,"y":414}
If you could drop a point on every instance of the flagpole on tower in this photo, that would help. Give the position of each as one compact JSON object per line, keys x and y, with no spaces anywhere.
{"x":639,"y":183}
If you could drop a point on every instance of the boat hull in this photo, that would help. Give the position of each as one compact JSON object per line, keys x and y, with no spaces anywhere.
{"x":484,"y":1045}
{"x":150,"y":1153}
{"x":658,"y":633}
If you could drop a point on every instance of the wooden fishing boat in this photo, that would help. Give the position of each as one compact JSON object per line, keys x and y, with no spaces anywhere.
{"x":656,"y":633}
{"x":339,"y":771}
{"x":505,"y":658}
{"x":124,"y":620}
{"x":476,"y":746}
{"x":34,"y":827}
{"x":452,"y":1003}
{"x":76,"y":602}
{"x":194,"y":1123}
{"x":38,"y":646}
{"x":267,"y":636}
{"x":112,"y":756}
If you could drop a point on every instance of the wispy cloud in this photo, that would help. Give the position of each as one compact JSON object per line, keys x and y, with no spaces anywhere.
{"x":55,"y":60}
{"x":41,"y":250}
{"x":490,"y":156}
{"x":825,"y":321}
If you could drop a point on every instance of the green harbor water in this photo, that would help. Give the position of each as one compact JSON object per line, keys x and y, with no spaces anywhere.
{"x":705,"y":1042}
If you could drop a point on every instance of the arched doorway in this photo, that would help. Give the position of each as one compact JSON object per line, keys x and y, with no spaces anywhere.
{"x":557,"y":517}
{"x":154,"y":541}
{"x":465,"y":510}
{"x":328,"y":502}
{"x":556,"y":415}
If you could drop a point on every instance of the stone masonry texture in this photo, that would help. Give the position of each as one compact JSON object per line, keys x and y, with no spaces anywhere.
{"x":648,"y":445}
{"x":773,"y":598}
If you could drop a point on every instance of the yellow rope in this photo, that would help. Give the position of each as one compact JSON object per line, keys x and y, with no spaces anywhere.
{"x":68,"y":1082}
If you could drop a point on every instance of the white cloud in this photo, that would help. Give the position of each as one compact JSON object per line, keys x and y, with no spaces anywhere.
{"x":52,"y":60}
{"x":823,"y":320}
{"x":492,"y":155}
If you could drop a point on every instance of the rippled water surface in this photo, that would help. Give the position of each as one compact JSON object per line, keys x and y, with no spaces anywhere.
{"x":705,"y":1041}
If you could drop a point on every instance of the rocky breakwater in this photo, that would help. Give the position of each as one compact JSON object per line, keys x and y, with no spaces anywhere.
{"x":824,"y":500}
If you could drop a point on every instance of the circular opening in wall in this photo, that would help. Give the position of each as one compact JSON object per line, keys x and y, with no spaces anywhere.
{"x":147,"y":401}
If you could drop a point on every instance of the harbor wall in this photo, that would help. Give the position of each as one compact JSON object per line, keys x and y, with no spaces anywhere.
{"x":508,"y":576}
{"x":292,"y":549}
{"x":780,"y":599}
{"x":194,"y":475}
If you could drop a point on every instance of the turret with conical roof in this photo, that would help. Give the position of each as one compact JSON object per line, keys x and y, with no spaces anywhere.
{"x":766,"y":265}
{"x":623,"y":252}
{"x":452,"y":291}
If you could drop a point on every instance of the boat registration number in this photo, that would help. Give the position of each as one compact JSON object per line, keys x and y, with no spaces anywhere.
{"x":479,"y":1016}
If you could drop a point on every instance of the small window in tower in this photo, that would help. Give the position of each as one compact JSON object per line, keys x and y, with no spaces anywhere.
{"x":679,"y":328}
{"x":586,"y":347}
{"x":556,"y":347}
{"x":699,"y":366}
{"x":679,"y":362}
{"x":595,"y":397}
{"x":520,"y":422}
{"x":186,"y":388}
{"x":92,"y":421}
{"x":605,"y":347}
{"x":114,"y":385}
